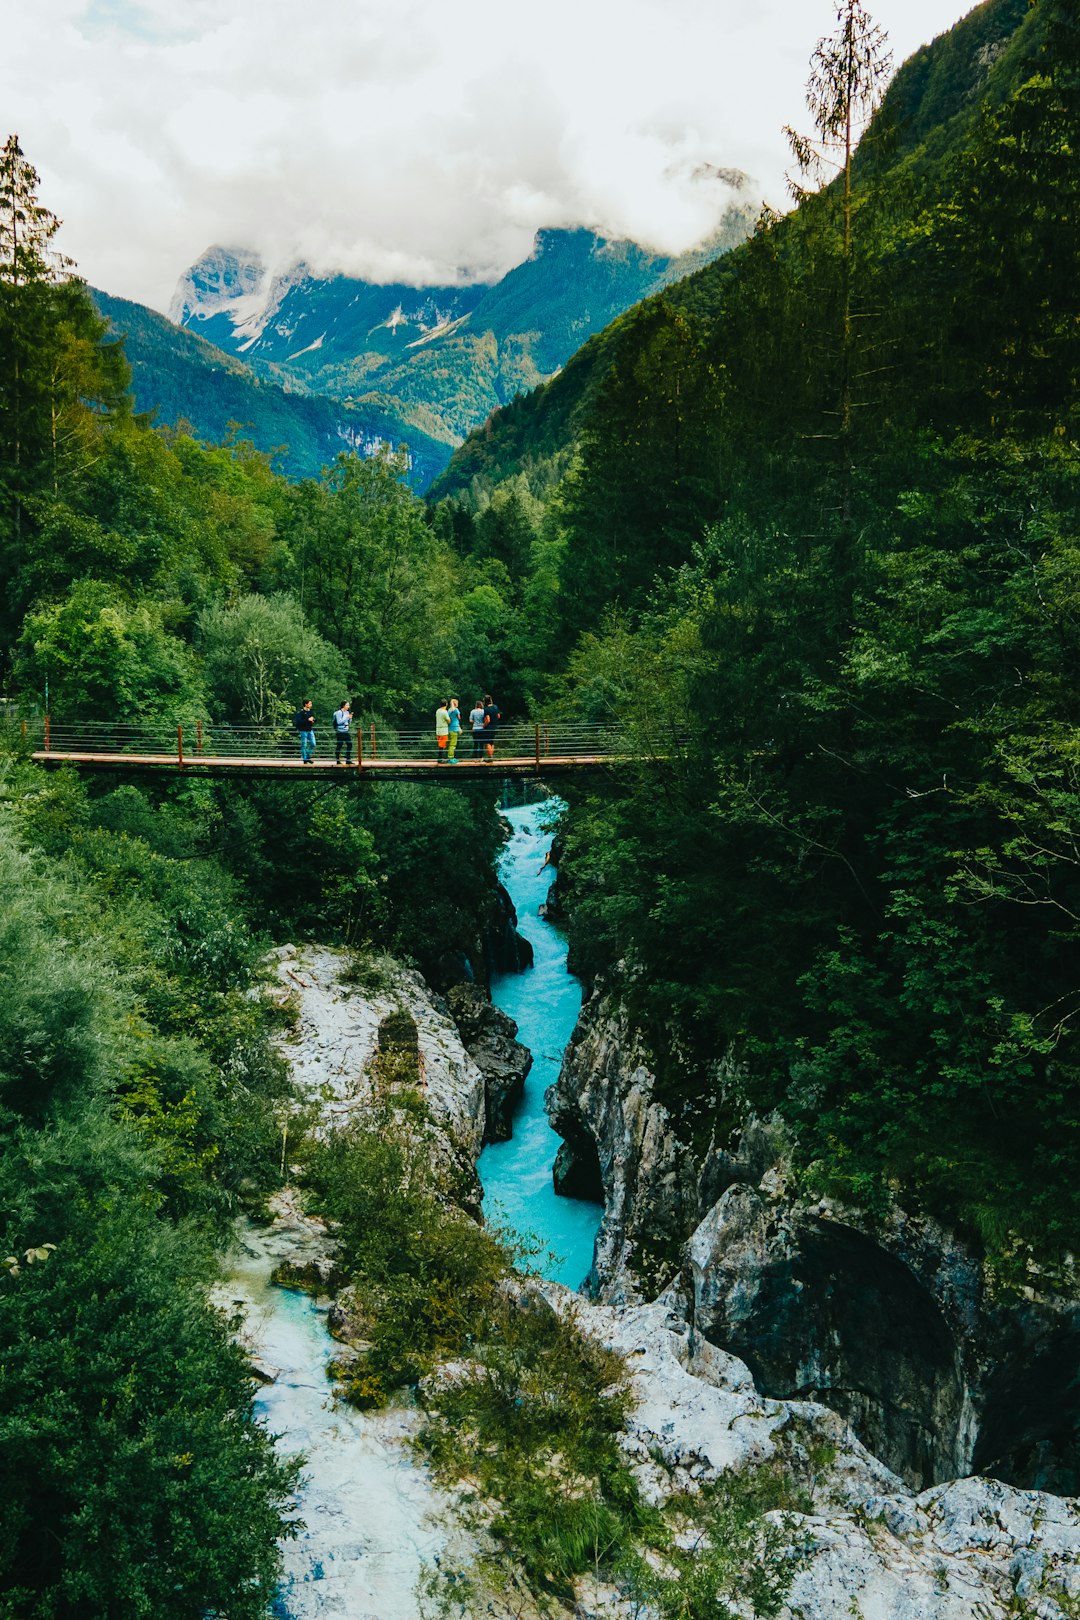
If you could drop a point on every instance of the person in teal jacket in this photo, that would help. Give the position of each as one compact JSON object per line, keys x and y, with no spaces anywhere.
{"x":454,"y":717}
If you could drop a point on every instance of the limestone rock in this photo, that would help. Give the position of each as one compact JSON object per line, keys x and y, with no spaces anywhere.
{"x":505,"y":950}
{"x":337,"y":1039}
{"x":489,"y":1035}
{"x":875,"y":1548}
{"x":892,"y":1322}
{"x":602,"y":1104}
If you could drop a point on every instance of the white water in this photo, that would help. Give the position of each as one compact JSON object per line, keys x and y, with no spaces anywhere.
{"x":371,"y":1517}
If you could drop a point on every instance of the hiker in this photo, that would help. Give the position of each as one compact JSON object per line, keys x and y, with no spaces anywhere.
{"x":454,"y":717}
{"x":492,"y":716}
{"x":304,"y":721}
{"x":442,"y":732}
{"x":476,"y":720}
{"x":342,"y":732}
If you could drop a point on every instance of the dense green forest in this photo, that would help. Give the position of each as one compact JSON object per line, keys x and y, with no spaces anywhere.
{"x":145,"y":577}
{"x":805,"y":528}
{"x":808,"y":524}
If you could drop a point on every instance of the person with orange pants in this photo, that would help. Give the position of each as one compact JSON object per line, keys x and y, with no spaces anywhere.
{"x":442,"y":732}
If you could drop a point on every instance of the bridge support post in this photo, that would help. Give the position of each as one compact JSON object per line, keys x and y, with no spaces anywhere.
{"x":179,"y":745}
{"x":48,"y":732}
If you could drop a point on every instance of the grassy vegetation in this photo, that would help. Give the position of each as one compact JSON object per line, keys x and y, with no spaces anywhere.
{"x":524,"y":1409}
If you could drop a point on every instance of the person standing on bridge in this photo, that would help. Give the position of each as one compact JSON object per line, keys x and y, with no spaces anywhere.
{"x":455,"y":731}
{"x":476,"y":720}
{"x":492,"y":716}
{"x":304,"y":721}
{"x":342,"y":733}
{"x":442,"y":732}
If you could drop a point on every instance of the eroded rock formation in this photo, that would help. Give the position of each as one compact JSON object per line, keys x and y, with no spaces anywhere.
{"x":894,"y":1324}
{"x":489,"y":1036}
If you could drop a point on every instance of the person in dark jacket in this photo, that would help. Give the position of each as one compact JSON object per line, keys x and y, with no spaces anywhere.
{"x":492,"y":716}
{"x":304,"y":721}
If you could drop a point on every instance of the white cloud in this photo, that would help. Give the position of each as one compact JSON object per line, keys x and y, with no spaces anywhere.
{"x":406,"y":141}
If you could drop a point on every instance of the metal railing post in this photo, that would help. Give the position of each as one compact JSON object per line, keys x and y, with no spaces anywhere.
{"x":198,"y":736}
{"x":538,"y":746}
{"x":359,"y":747}
{"x":180,"y":745}
{"x":48,"y":732}
{"x":374,"y":752}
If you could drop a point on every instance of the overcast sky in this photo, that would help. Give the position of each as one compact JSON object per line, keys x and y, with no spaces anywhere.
{"x":405,"y":139}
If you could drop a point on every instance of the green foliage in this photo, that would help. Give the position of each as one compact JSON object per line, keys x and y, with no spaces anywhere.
{"x":534,"y":1426}
{"x":370,"y":574}
{"x":532,"y":1421}
{"x":261,"y":659}
{"x":426,"y":1272}
{"x":106,"y":657}
{"x":136,"y":1479}
{"x":736,"y":1546}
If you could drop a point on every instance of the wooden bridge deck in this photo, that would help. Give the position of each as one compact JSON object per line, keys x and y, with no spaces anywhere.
{"x":383,"y":769}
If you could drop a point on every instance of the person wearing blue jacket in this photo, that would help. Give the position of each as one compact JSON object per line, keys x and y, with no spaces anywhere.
{"x":342,"y":732}
{"x":454,"y":717}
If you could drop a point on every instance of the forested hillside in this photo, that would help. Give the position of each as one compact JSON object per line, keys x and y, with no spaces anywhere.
{"x":430,"y":363}
{"x":180,"y":380}
{"x":927,"y":113}
{"x":819,"y":516}
{"x":142,"y":1102}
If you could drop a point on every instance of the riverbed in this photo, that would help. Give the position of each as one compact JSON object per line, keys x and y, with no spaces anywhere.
{"x":544,"y":1002}
{"x":371,"y":1520}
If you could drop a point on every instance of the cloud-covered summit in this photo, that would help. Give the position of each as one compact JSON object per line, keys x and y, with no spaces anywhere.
{"x":420,"y":142}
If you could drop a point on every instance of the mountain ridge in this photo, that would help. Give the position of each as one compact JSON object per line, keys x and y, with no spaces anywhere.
{"x":437,"y":359}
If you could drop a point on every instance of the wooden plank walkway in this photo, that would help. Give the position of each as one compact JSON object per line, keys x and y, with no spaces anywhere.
{"x":130,"y":763}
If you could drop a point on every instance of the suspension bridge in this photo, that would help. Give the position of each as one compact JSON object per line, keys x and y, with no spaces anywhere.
{"x":534,"y":748}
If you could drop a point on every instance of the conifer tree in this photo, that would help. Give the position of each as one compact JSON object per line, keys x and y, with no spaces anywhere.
{"x":29,"y":269}
{"x":848,"y":73}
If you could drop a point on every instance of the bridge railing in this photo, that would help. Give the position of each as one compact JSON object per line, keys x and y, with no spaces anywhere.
{"x":193,"y":741}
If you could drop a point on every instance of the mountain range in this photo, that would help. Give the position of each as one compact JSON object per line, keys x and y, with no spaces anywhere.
{"x":316,"y":364}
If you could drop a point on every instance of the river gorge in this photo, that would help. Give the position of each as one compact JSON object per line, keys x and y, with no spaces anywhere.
{"x":782,"y":1337}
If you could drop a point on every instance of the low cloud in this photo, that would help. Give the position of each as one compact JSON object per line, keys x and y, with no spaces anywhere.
{"x":417,"y":142}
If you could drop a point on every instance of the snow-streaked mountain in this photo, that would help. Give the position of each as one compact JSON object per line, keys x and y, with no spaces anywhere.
{"x":230,"y":297}
{"x":434,"y":360}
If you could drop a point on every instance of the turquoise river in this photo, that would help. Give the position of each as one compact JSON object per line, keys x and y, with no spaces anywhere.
{"x":544,"y":1002}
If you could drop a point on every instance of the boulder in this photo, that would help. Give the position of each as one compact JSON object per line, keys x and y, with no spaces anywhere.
{"x":489,"y":1037}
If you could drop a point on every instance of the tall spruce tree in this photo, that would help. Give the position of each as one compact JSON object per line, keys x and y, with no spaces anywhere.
{"x":30,"y":269}
{"x":848,"y":73}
